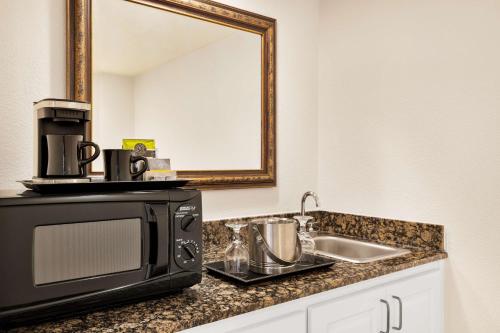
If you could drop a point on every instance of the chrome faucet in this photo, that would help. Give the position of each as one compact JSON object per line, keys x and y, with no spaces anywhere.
{"x":304,"y":197}
{"x":306,"y":241}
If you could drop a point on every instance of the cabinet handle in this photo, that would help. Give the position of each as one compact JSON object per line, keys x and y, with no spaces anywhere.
{"x":400,"y":326}
{"x":388,"y":318}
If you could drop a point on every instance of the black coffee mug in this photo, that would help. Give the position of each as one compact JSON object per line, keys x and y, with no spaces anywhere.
{"x":65,"y":155}
{"x":118,"y":165}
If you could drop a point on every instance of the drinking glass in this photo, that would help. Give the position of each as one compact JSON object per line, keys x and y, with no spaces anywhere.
{"x":236,"y":255}
{"x":306,"y":241}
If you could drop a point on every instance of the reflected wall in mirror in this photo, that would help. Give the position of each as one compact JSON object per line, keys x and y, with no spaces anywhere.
{"x":192,"y":85}
{"x":196,"y":76}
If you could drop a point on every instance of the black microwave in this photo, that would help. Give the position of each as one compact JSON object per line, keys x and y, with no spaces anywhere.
{"x":72,"y":253}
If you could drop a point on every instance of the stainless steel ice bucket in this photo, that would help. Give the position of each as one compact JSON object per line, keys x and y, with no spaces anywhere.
{"x":274,"y":246}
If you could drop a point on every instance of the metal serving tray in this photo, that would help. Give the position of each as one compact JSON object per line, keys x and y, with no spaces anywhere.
{"x":312,"y":262}
{"x":100,"y":185}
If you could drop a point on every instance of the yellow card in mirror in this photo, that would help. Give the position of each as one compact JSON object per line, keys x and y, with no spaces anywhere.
{"x":130,"y":144}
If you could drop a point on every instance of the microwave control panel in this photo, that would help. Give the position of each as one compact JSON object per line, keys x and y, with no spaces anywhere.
{"x":187,"y":234}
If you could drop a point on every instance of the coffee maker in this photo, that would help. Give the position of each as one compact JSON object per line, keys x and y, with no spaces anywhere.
{"x":60,"y":146}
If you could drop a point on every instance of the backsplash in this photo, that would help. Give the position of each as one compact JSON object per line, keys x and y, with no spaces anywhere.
{"x":386,"y":231}
{"x":216,"y":235}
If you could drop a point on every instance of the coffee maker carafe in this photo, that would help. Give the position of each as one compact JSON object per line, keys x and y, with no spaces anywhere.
{"x":60,"y":145}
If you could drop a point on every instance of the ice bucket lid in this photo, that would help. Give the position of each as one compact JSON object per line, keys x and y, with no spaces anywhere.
{"x":272,"y":220}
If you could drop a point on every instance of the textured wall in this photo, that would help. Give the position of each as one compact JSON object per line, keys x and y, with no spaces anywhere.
{"x":409,"y":125}
{"x":32,"y":67}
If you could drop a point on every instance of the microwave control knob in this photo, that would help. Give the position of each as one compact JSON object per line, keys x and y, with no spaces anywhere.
{"x":188,"y":251}
{"x":187,"y":222}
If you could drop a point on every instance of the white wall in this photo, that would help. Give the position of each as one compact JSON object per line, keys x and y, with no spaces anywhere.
{"x":203,"y":108}
{"x":409,"y":121}
{"x":32,"y":67}
{"x":112,"y":112}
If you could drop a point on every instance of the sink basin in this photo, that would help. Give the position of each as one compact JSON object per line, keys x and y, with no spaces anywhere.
{"x":353,"y":250}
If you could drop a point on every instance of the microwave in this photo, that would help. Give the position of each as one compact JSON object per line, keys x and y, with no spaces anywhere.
{"x":72,"y":253}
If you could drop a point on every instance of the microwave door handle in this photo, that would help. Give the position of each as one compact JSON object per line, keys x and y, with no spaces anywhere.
{"x":151,"y":241}
{"x":159,"y":234}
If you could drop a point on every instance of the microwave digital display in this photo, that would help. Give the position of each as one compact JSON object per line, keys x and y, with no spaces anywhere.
{"x":72,"y":251}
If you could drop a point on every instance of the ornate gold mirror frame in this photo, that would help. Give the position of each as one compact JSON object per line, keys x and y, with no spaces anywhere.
{"x":79,"y":78}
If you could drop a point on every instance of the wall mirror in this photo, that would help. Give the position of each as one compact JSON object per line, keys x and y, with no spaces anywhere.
{"x":196,"y":76}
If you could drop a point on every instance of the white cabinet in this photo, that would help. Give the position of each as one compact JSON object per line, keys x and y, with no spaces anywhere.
{"x":409,"y":305}
{"x":415,"y":304}
{"x":358,"y":313}
{"x":408,"y":301}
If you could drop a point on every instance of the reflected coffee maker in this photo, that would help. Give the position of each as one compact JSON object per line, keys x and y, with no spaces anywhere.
{"x":60,"y":146}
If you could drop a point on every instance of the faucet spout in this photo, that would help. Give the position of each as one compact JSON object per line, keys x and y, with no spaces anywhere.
{"x":304,"y":198}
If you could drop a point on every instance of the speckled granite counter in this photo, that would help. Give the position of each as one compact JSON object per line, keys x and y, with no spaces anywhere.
{"x":214,"y":299}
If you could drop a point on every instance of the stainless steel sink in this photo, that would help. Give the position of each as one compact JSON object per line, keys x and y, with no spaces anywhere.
{"x":353,"y":250}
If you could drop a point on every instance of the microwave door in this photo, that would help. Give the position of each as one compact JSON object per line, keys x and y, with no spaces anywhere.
{"x":71,"y":249}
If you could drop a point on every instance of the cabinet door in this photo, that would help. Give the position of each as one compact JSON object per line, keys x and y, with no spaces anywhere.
{"x":415,"y":305}
{"x":354,"y":313}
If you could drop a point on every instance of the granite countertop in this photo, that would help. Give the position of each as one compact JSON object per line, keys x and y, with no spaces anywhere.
{"x":215,"y":299}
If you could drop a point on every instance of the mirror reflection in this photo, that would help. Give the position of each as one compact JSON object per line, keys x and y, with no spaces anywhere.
{"x":191,"y":85}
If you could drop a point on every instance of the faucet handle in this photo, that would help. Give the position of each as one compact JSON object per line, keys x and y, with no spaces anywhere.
{"x":311,"y":225}
{"x":303,"y":220}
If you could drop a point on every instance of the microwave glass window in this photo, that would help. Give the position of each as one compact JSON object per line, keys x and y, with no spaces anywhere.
{"x":74,"y":251}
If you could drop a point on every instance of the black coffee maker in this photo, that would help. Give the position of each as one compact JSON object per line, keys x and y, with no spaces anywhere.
{"x":60,"y":146}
